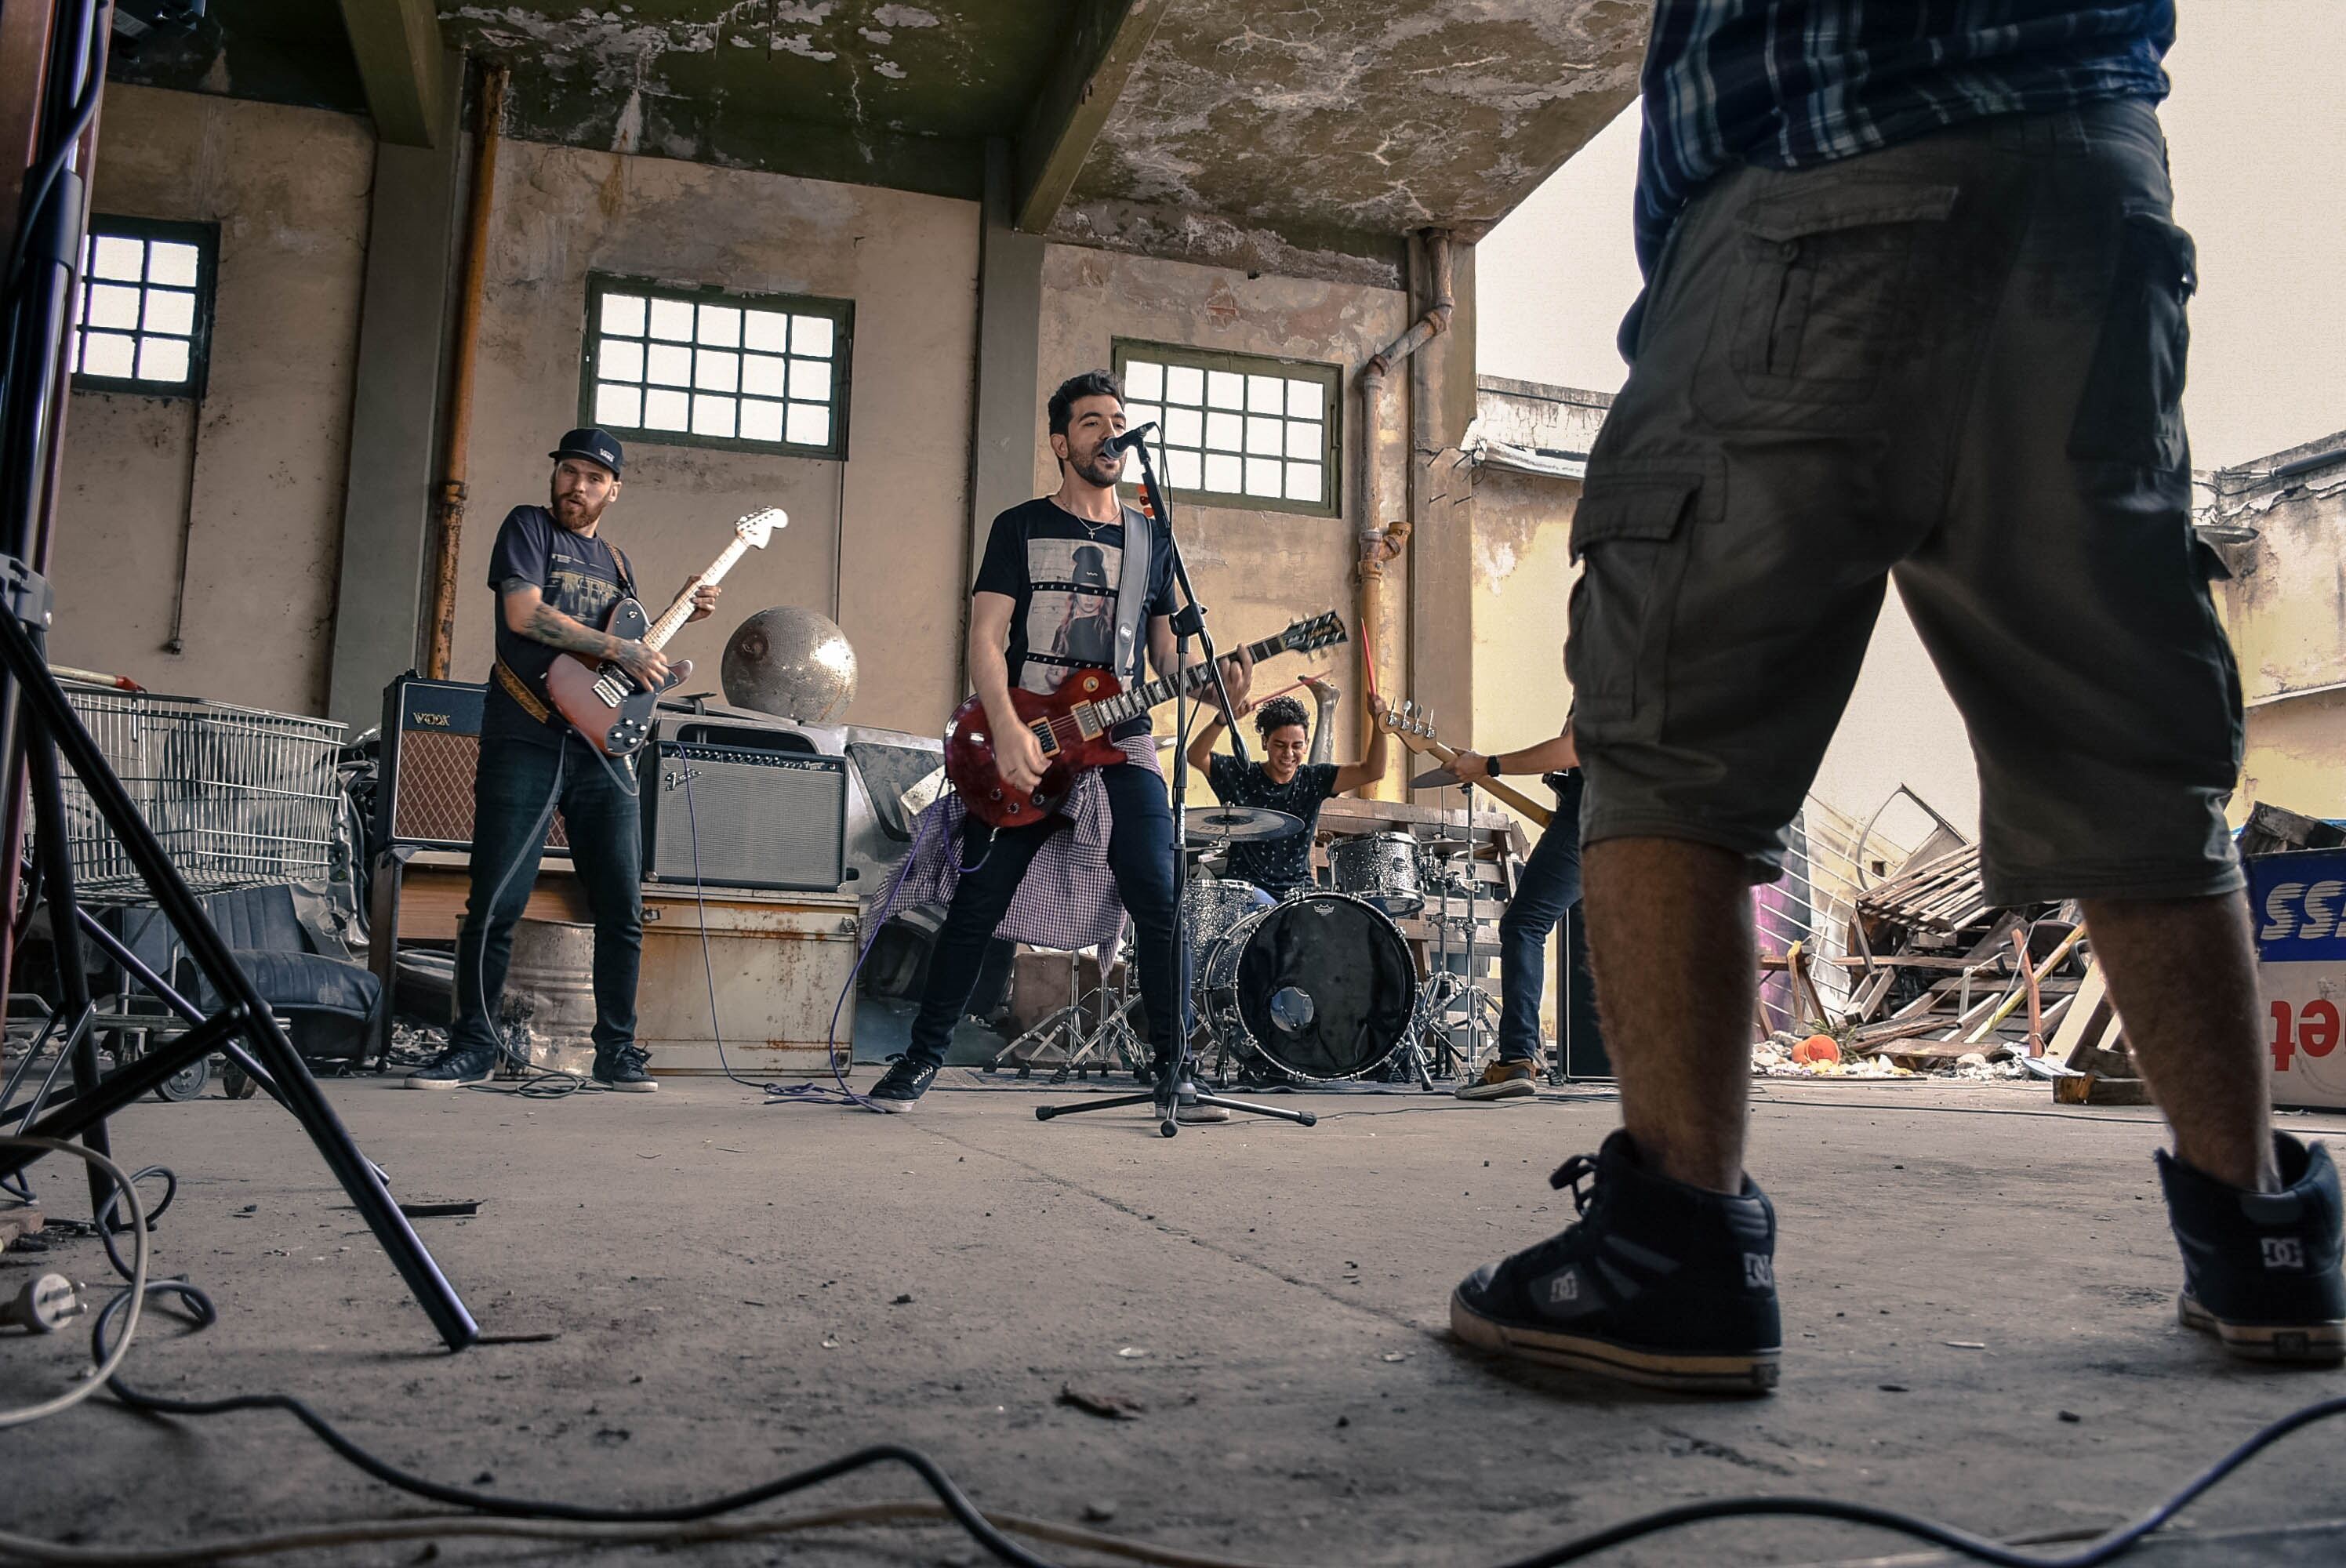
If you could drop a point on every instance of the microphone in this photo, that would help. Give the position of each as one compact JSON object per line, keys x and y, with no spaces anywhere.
{"x":1131,"y":438}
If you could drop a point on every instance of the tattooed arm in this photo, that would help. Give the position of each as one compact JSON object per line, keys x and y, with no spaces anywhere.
{"x":528,"y":615}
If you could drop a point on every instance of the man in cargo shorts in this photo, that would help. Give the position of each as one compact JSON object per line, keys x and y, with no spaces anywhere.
{"x":1914,"y":310}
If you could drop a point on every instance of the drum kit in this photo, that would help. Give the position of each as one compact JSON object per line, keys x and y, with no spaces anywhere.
{"x":1318,"y":987}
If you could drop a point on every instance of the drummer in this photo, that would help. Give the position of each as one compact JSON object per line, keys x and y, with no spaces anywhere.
{"x":1283,"y":781}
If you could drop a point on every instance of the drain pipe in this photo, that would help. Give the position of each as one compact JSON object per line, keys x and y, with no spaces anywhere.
{"x":1384,"y":518}
{"x":457,"y":438}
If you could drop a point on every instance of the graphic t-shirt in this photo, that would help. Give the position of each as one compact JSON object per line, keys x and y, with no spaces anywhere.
{"x":1063,"y":575}
{"x":577,"y":576}
{"x":1277,"y":866}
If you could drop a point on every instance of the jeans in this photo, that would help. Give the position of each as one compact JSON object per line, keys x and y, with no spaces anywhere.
{"x":513,"y":794}
{"x":1549,"y":886}
{"x":1139,"y":856}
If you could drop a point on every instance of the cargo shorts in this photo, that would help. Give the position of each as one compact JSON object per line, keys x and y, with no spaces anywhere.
{"x":1957,"y":363}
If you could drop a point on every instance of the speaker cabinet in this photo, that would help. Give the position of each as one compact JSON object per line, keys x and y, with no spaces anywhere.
{"x":763,"y":816}
{"x":431,"y":752}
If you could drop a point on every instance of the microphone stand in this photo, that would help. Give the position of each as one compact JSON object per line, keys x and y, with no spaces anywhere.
{"x":1174,"y":1087}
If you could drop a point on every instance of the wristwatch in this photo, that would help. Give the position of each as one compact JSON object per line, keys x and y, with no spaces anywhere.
{"x":1490,"y":768}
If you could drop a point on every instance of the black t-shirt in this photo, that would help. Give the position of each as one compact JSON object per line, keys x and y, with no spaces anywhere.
{"x":1277,"y":866}
{"x":581,"y":577}
{"x":1063,"y":574}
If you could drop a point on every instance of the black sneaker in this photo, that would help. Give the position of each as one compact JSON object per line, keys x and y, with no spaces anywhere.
{"x":901,"y":1087}
{"x":1659,"y":1283}
{"x":623,"y":1069}
{"x":2261,"y":1269}
{"x":456,"y":1066}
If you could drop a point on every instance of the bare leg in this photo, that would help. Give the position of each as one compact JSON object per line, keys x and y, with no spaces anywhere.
{"x":1669,"y":936}
{"x":2183,"y":975}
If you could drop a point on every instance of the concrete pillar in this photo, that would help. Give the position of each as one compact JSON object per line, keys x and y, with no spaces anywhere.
{"x":1004,"y":426}
{"x":395,"y":416}
{"x":1441,"y":557}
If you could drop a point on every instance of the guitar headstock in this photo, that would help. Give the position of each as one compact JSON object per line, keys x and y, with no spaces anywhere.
{"x":759,"y":527}
{"x":1324,"y":630}
{"x":1414,"y":724}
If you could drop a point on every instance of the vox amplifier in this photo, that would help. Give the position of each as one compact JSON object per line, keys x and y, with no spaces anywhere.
{"x":431,"y":751}
{"x":763,"y":817}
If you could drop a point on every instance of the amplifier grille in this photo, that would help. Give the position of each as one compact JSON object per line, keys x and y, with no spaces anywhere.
{"x":764,"y":818}
{"x":431,"y":767}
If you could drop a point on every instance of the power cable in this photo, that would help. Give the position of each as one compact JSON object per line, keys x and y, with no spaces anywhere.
{"x":105,"y":1364}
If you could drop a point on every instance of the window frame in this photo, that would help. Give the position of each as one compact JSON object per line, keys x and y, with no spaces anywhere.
{"x":1331,"y":376}
{"x":839,"y":312}
{"x":205,"y":237}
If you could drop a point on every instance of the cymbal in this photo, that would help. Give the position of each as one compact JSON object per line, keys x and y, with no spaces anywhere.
{"x":1241,"y":824}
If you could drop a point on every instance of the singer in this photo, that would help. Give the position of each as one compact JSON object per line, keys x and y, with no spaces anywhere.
{"x":1050,"y":591}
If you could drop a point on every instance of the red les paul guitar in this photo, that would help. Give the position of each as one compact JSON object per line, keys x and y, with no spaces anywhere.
{"x":1073,"y":723}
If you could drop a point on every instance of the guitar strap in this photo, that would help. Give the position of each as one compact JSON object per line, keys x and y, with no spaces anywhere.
{"x":518,"y":690}
{"x":1132,"y":593}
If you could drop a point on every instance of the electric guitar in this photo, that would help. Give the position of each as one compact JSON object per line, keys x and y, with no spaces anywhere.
{"x":606,"y":703}
{"x":1416,"y":731}
{"x":1073,"y":724}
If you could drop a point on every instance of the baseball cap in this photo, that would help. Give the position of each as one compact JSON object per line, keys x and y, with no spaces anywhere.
{"x":593,"y":445}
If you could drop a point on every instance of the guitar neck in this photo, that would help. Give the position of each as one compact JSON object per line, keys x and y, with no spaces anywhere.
{"x":1427,"y":746}
{"x":1198,"y":677}
{"x":672,"y":619}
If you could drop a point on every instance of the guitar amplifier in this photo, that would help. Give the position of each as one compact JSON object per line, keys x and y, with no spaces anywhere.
{"x":431,"y":751}
{"x":764,"y":817}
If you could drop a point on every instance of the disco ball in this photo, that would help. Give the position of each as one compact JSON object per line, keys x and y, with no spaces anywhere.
{"x":791,"y":662}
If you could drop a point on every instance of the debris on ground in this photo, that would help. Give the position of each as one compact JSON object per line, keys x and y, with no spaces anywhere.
{"x":1108,"y":1407}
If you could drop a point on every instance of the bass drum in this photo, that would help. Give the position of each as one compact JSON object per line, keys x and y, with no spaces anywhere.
{"x":1319,"y":986}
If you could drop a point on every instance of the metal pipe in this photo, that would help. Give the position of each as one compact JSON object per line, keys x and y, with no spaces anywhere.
{"x":1386,"y":523}
{"x":457,"y":438}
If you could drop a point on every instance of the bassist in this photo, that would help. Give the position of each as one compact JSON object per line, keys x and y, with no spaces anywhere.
{"x":555,"y":580}
{"x":1046,"y":602}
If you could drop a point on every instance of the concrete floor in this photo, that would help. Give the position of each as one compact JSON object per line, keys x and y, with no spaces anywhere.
{"x":739,"y":1289}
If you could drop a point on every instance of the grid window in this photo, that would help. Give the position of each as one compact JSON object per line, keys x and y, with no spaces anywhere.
{"x":1237,"y":430}
{"x":708,"y":368}
{"x":142,"y":318}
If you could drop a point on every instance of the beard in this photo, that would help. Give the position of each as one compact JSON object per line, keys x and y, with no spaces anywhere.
{"x":575,"y":513}
{"x":1098,"y":467}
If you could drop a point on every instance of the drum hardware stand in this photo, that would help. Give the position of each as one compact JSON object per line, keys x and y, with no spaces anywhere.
{"x":39,"y":729}
{"x":1173,"y":1088}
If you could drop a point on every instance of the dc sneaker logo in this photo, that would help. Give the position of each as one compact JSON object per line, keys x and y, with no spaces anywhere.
{"x":1565,"y":1288}
{"x":1758,"y":1271}
{"x":2284,"y":1252}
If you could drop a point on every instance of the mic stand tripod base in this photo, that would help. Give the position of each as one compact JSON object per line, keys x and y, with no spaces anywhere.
{"x":1168,"y":1098}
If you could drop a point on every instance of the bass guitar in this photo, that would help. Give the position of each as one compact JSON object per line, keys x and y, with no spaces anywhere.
{"x":1073,"y":724}
{"x":1416,"y":731}
{"x":606,"y":703}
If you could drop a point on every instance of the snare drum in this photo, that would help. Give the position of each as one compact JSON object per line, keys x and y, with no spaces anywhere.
{"x":1380,"y":868}
{"x":1319,"y":986}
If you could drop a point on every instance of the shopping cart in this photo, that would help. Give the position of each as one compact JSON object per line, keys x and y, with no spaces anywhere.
{"x":240,"y":797}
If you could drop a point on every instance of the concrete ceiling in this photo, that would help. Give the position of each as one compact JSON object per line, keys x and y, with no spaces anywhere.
{"x":1274,"y":134}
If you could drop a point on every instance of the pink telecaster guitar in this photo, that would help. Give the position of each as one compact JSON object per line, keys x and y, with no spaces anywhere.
{"x":602,"y":701}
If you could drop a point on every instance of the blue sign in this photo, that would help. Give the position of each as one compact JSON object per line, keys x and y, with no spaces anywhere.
{"x":2298,"y":900}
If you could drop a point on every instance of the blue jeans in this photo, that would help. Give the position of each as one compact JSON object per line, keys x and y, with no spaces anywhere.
{"x":514,"y":793}
{"x":1139,"y":855}
{"x":1549,"y":886}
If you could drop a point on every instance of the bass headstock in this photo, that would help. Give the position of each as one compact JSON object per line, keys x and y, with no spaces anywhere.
{"x":761,"y":525}
{"x":1324,"y":630}
{"x":1414,"y":724}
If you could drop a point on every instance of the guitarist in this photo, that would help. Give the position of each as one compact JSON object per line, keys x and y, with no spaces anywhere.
{"x":1052,"y":578}
{"x":555,"y":581}
{"x":1548,"y":888}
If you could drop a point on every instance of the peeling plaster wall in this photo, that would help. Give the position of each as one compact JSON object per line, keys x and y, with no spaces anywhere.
{"x":289,"y":188}
{"x":2295,"y":749}
{"x":909,"y":263}
{"x":1255,"y":571}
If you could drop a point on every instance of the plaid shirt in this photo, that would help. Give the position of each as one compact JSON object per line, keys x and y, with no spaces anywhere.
{"x":1786,"y":84}
{"x":1067,"y":900}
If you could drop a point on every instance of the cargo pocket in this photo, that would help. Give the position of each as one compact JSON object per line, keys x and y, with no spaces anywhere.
{"x":1825,"y":288}
{"x":2131,"y":410}
{"x":1631,"y":537}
